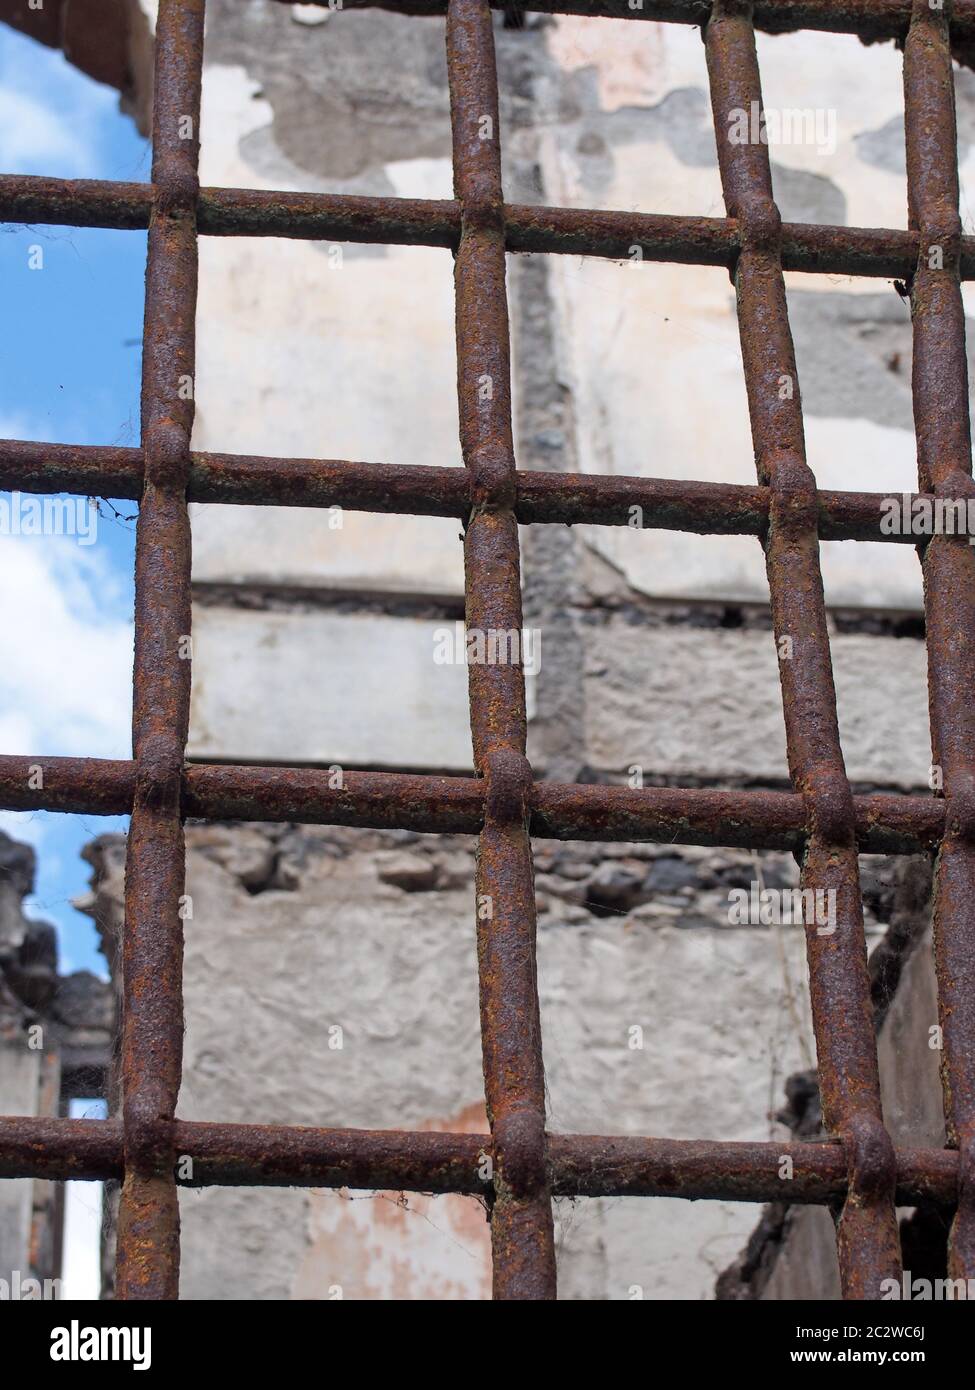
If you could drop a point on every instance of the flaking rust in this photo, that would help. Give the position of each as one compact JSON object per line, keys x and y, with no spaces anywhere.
{"x":517,"y":1167}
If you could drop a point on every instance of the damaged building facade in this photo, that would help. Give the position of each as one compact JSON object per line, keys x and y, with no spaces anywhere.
{"x":330,"y":972}
{"x":56,"y":1036}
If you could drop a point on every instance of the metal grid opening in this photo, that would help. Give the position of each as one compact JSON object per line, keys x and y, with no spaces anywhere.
{"x":859,"y":1174}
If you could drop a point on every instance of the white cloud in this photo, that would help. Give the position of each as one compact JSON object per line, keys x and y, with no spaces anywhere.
{"x":65,"y":651}
{"x":15,"y":427}
{"x":32,"y":135}
{"x":55,"y":129}
{"x":19,"y":825}
{"x":65,"y":646}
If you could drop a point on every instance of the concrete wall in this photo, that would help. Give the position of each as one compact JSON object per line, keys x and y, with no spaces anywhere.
{"x":55,"y":1041}
{"x":22,"y":1052}
{"x":20,"y":1074}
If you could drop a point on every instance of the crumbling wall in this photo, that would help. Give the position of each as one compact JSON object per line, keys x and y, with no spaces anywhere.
{"x":108,"y":40}
{"x":792,"y":1252}
{"x":331,"y":979}
{"x":55,"y":1039}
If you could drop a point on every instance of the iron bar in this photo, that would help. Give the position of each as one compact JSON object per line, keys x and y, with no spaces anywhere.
{"x":147,"y":1260}
{"x":579,"y":1165}
{"x":885,"y":823}
{"x":867,"y":1238}
{"x":522,"y":1232}
{"x":672,"y":504}
{"x":944,"y":453}
{"x":812,"y":247}
{"x":871,"y":19}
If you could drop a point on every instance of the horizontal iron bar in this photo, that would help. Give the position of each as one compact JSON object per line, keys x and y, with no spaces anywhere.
{"x":701,"y":1169}
{"x":60,"y":1150}
{"x":748,"y":819}
{"x":885,"y":824}
{"x":865,"y":251}
{"x":81,"y":786}
{"x":671,"y":504}
{"x":32,"y":200}
{"x":85,"y":469}
{"x":872,"y":19}
{"x":235,"y":1155}
{"x":810,"y":247}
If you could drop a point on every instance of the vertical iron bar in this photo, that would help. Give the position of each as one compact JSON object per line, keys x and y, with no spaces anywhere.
{"x":522,"y":1239}
{"x":867,"y":1238}
{"x":152,"y":1007}
{"x":944,"y":453}
{"x":522,"y":1233}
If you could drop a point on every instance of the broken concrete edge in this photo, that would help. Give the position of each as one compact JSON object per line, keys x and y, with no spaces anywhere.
{"x":581,"y":881}
{"x":56,"y":1037}
{"x":108,"y":40}
{"x":73,"y":1012}
{"x":748,"y":1276}
{"x":578,"y":885}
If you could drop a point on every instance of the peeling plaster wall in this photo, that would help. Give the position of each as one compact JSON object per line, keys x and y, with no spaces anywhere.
{"x":331,"y":980}
{"x":298,"y":932}
{"x":347,"y":352}
{"x":656,"y":647}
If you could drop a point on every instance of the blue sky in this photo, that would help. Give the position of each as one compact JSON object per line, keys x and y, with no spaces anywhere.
{"x":70,"y":359}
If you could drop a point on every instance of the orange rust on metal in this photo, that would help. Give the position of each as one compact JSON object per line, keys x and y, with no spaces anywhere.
{"x":427,"y":490}
{"x":885,"y":824}
{"x":811,"y":247}
{"x":579,"y":1165}
{"x":867,"y":1237}
{"x":517,"y":1167}
{"x":944,"y":453}
{"x":152,"y":946}
{"x":522,"y":1232}
{"x":871,"y":19}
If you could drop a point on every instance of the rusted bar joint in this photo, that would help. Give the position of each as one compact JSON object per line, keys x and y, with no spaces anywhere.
{"x":494,"y":485}
{"x":793,"y":499}
{"x":871,"y":1160}
{"x":940,"y":236}
{"x":149,"y":1139}
{"x":167,"y":454}
{"x":520,"y":1151}
{"x":954,"y":484}
{"x":828,"y":799}
{"x":760,"y":227}
{"x":508,"y":786}
{"x":159,"y":771}
{"x":960,"y":809}
{"x":176,"y":190}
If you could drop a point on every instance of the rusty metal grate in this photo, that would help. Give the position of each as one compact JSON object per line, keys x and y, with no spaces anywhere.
{"x":859,"y":1174}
